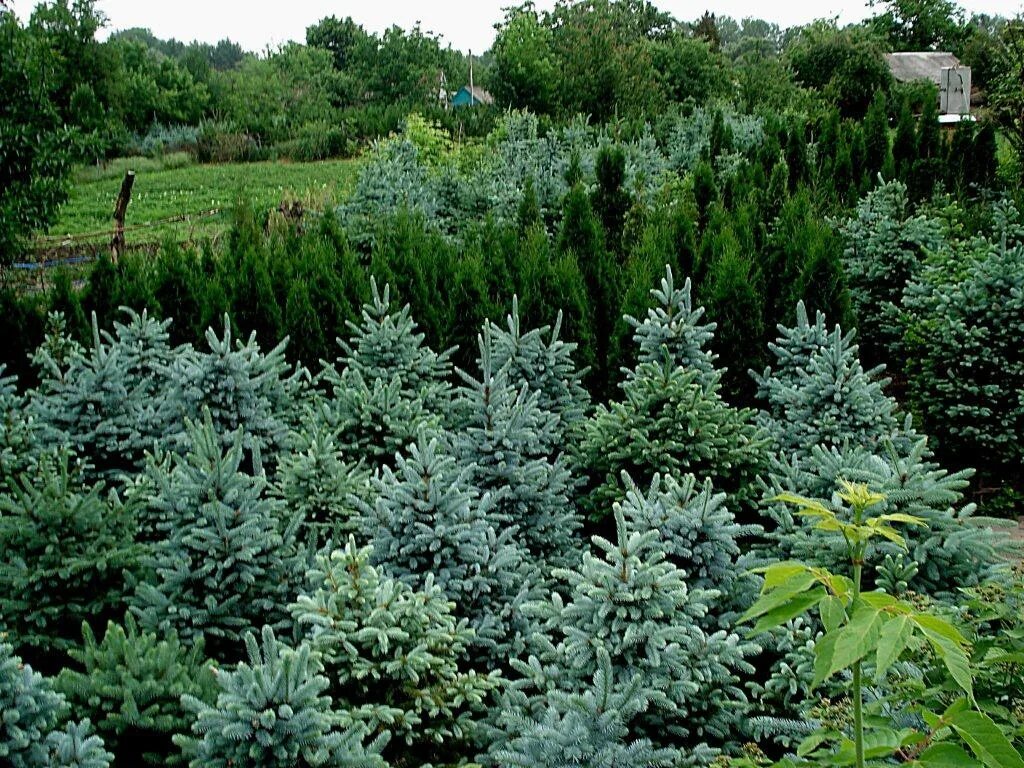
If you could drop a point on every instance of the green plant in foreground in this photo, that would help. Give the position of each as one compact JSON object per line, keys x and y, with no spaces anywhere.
{"x":865,"y":630}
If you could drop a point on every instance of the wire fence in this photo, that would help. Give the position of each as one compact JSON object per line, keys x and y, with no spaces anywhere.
{"x":61,"y":240}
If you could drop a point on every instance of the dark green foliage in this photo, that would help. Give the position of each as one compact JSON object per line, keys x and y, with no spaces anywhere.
{"x":34,"y":141}
{"x":131,"y":684}
{"x":796,"y":156}
{"x":582,"y":236}
{"x":904,"y":144}
{"x":272,"y":711}
{"x":392,"y":656}
{"x":927,"y":169}
{"x":878,"y":147}
{"x":610,"y":199}
{"x":985,"y":164}
{"x":735,"y":304}
{"x":705,"y":192}
{"x":68,"y":553}
{"x":846,"y":64}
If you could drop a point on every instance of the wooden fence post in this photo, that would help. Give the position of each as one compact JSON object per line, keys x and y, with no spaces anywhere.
{"x":120,"y":207}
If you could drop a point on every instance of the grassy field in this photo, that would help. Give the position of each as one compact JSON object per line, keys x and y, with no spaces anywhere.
{"x":174,"y":186}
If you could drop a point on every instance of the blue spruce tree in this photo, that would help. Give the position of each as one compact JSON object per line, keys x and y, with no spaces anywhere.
{"x":104,"y":401}
{"x":392,"y":655}
{"x":430,"y":522}
{"x":69,"y":555}
{"x":34,"y":731}
{"x":673,"y":332}
{"x":272,"y":712}
{"x":229,"y":558}
{"x":511,"y":443}
{"x":245,"y":390}
{"x":628,"y":613}
{"x":544,"y":362}
{"x":130,"y":683}
{"x":387,"y":385}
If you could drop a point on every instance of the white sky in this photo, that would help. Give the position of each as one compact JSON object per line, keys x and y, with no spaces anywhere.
{"x":467,"y":25}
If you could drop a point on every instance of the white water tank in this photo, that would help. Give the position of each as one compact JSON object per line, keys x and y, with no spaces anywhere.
{"x":955,"y":91}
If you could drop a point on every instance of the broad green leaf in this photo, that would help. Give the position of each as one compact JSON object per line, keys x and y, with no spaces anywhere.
{"x":811,"y":743}
{"x":893,"y":639}
{"x":949,"y":645}
{"x":880,"y":742}
{"x":986,"y":740}
{"x":796,"y":606}
{"x":808,"y":505}
{"x":891,"y":534}
{"x":857,"y":638}
{"x":780,"y":596}
{"x":832,"y":612}
{"x":879,"y":599}
{"x":946,"y":755}
{"x":824,"y":652}
{"x":777,"y":574}
{"x":859,"y":495}
{"x":934,"y":624}
{"x":901,"y":517}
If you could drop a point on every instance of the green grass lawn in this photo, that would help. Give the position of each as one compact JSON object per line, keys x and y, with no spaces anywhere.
{"x":174,"y":186}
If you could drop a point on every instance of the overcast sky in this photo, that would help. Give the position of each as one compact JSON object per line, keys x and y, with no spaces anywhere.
{"x":468,"y":25}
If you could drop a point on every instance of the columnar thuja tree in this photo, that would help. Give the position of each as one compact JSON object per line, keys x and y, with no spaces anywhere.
{"x":513,"y":447}
{"x":393,"y":655}
{"x":628,"y":613}
{"x":387,"y":385}
{"x":228,"y":558}
{"x":430,"y":522}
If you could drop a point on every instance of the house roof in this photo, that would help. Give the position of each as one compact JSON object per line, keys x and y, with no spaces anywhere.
{"x":919,"y":65}
{"x":480,"y":96}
